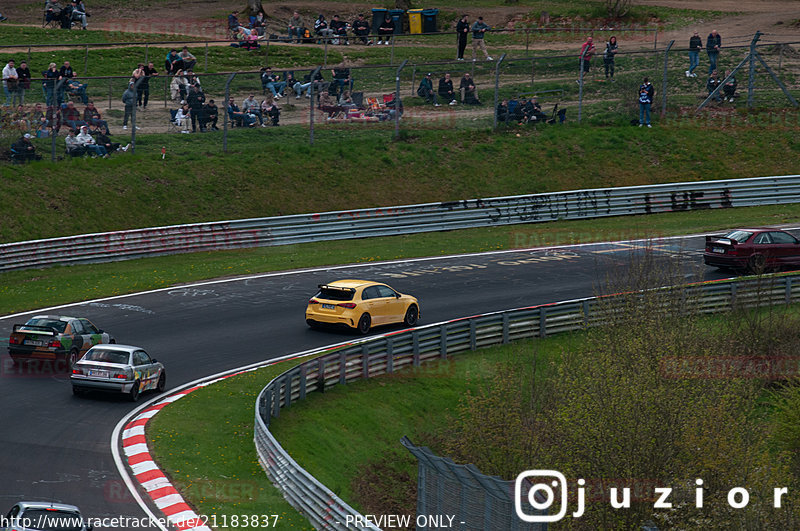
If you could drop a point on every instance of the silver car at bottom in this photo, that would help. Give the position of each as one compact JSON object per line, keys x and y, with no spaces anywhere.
{"x":121,"y":369}
{"x":43,"y":516}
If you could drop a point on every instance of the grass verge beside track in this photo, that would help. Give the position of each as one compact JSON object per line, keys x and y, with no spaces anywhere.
{"x":30,"y":289}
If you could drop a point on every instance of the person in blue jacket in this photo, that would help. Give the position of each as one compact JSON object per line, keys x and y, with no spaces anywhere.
{"x":646,"y":92}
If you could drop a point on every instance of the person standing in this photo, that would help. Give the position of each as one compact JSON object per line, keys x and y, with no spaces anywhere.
{"x":646,"y":93}
{"x":129,"y":101}
{"x":478,"y":32}
{"x":608,"y":57}
{"x":585,"y":58}
{"x":695,"y":45}
{"x":713,"y":44}
{"x":51,"y":77}
{"x":195,"y":99}
{"x":149,"y":71}
{"x":462,"y":31}
{"x":23,"y":80}
{"x":10,"y":82}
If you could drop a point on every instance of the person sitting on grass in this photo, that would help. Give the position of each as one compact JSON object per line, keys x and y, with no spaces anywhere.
{"x":87,"y":141}
{"x":104,"y":141}
{"x":268,"y":108}
{"x":729,"y":88}
{"x":502,"y":111}
{"x":712,"y":84}
{"x":183,"y":117}
{"x":72,"y":117}
{"x":446,"y":91}
{"x":210,"y":115}
{"x":187,"y":59}
{"x":238,"y":117}
{"x":24,"y":150}
{"x":468,"y":91}
{"x":425,"y":90}
{"x":92,"y":116}
{"x":74,"y":147}
{"x":339,"y":28}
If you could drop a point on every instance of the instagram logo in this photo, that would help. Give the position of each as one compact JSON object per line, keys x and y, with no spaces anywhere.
{"x":542,"y":489}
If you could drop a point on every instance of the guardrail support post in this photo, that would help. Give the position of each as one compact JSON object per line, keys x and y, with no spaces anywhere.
{"x":443,"y":341}
{"x":302,"y":390}
{"x":343,"y":367}
{"x":276,"y":400}
{"x":321,"y":375}
{"x":506,"y":330}
{"x":585,"y":313}
{"x":733,"y":295}
{"x":415,"y":347}
{"x":389,"y":355}
{"x":287,"y":398}
{"x":365,"y":360}
{"x":543,"y":322}
{"x":473,"y":340}
{"x":788,"y":282}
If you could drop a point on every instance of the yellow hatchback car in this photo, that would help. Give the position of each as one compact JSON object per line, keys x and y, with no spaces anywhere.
{"x":360,"y":304}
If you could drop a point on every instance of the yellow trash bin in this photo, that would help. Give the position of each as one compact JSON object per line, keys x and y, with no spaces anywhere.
{"x":415,"y":20}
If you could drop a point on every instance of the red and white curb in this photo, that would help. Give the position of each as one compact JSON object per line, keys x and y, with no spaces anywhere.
{"x":129,"y":434}
{"x":146,"y":472}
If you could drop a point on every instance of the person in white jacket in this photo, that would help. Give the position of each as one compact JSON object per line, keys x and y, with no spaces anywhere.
{"x":87,"y":141}
{"x":177,"y":88}
{"x":10,"y":80}
{"x":182,"y":118}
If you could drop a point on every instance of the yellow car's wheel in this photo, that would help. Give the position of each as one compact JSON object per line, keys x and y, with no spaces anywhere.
{"x":364,"y":323}
{"x":412,"y":314}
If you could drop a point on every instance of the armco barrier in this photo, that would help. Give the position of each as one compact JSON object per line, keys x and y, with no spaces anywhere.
{"x":388,"y":221}
{"x":391,"y":352}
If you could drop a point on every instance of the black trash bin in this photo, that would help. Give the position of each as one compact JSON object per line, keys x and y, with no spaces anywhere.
{"x":429,"y":20}
{"x":397,"y":17}
{"x":378,"y":14}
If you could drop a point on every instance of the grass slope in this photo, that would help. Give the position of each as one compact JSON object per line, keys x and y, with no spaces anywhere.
{"x":265,"y":174}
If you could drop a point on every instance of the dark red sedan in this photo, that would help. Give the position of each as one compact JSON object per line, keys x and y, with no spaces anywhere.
{"x":755,"y":250}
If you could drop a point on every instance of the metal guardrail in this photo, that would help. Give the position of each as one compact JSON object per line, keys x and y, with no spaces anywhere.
{"x":408,"y":219}
{"x":410,"y":348}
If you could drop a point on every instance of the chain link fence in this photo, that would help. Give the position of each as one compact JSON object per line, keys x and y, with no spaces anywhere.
{"x":516,"y":71}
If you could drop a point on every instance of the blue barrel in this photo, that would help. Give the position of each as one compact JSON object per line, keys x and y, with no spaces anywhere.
{"x":378,"y":14}
{"x":429,"y":20}
{"x":397,"y":17}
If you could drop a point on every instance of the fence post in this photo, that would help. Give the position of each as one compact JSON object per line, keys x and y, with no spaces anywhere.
{"x":225,"y":113}
{"x":752,"y":79}
{"x":325,"y":57}
{"x":391,"y":59}
{"x":533,"y":70}
{"x":29,"y":55}
{"x":664,"y":86}
{"x":110,"y":91}
{"x":53,"y":129}
{"x":413,"y":80}
{"x":398,"y":104}
{"x":205,"y":68}
{"x":86,"y":62}
{"x":580,"y":84}
{"x":496,"y":87}
{"x":133,"y":115}
{"x":146,"y":53}
{"x":527,"y":38}
{"x":311,"y":107}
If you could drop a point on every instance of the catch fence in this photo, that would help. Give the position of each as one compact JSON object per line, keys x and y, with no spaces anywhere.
{"x":405,"y":219}
{"x":408,"y":349}
{"x":552,"y":76}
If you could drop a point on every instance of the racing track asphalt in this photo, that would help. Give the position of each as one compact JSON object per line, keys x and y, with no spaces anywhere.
{"x":56,"y":446}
